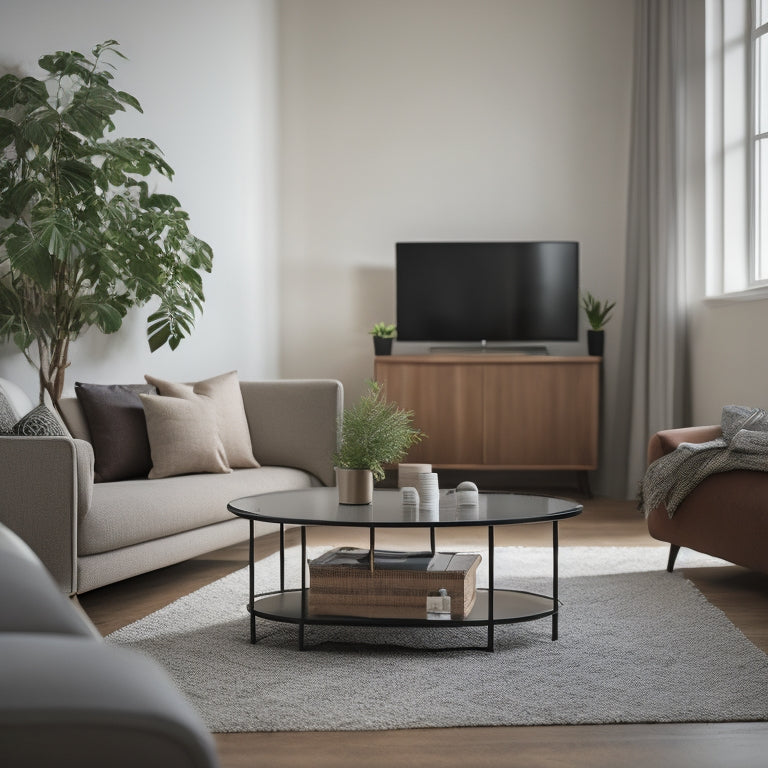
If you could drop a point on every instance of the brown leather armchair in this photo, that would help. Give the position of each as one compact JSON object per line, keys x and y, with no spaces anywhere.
{"x":725,"y":516}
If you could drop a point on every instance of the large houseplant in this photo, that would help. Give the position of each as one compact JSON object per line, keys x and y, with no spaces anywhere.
{"x":374,"y":432}
{"x":82,"y":238}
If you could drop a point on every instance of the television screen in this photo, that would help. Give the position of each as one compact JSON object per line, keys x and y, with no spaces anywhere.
{"x":516,"y":291}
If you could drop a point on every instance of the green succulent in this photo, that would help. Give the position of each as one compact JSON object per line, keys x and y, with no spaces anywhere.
{"x":598,"y":312}
{"x":383,"y":330}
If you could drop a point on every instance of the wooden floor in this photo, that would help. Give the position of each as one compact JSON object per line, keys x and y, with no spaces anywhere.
{"x":742,"y":595}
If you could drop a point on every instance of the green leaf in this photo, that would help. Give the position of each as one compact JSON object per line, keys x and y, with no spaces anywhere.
{"x":19,"y":195}
{"x":7,"y":132}
{"x":26,"y":90}
{"x":108,"y":45}
{"x":40,"y":128}
{"x":69,"y":63}
{"x":76,"y":176}
{"x":53,"y":229}
{"x":160,"y":336}
{"x":105,"y":316}
{"x":28,"y":256}
{"x":131,"y":101}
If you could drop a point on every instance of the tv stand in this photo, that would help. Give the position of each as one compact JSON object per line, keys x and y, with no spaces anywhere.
{"x":499,"y":411}
{"x":483,"y":347}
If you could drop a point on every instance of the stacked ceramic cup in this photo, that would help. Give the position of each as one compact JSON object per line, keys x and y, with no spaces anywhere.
{"x":410,"y":498}
{"x":429,"y":491}
{"x":408,"y":474}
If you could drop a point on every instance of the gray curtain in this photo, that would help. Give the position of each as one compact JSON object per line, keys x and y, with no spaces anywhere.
{"x":651,"y":383}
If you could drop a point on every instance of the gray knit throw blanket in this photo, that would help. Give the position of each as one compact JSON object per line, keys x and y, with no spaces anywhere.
{"x":744,"y":445}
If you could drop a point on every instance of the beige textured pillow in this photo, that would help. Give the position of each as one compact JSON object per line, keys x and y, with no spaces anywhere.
{"x":183,"y":436}
{"x":224,"y":392}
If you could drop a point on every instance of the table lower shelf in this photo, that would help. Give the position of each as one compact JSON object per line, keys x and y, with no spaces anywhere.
{"x":509,"y":607}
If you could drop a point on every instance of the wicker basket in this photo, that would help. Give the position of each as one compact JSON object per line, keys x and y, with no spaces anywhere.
{"x":343,"y":584}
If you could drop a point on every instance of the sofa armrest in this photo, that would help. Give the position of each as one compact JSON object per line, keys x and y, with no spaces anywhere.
{"x":667,"y":440}
{"x":46,"y":484}
{"x":295,"y":423}
{"x":74,"y":701}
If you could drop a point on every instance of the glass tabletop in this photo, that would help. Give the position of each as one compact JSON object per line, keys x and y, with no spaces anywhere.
{"x":320,"y":506}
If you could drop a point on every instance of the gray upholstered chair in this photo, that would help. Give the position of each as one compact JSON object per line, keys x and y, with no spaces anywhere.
{"x":67,"y":698}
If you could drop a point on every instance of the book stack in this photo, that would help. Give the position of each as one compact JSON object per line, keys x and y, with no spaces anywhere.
{"x":342,"y":583}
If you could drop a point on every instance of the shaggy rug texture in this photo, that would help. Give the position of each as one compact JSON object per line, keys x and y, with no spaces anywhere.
{"x":637,"y":644}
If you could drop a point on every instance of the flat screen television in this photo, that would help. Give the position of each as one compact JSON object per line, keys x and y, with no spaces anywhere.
{"x":487,"y":291}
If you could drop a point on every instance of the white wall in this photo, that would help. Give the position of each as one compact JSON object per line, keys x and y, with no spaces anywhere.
{"x":205,"y":74}
{"x":442,"y":119}
{"x":729,"y":357}
{"x":397,"y":119}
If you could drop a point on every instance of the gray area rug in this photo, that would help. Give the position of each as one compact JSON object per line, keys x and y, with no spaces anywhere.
{"x":637,"y":644}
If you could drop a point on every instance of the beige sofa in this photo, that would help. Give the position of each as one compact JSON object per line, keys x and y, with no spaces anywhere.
{"x":92,"y":534}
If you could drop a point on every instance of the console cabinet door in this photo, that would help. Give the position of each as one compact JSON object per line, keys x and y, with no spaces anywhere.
{"x":542,"y":416}
{"x":447,"y":403}
{"x":505,"y":412}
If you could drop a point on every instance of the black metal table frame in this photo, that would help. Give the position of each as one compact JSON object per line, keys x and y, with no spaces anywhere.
{"x":491,"y":591}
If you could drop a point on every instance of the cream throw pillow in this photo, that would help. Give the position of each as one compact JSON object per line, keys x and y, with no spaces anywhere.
{"x":183,"y":436}
{"x":224,"y":392}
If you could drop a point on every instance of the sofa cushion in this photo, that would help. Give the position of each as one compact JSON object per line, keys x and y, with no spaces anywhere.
{"x":118,"y":429}
{"x":183,"y":436}
{"x":133,"y":511}
{"x":224,"y":393}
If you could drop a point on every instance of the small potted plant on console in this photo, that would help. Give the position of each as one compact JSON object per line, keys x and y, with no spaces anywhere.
{"x":598,"y":314}
{"x":383,"y":333}
{"x":374,"y":432}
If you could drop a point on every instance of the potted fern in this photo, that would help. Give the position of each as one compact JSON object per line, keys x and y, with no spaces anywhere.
{"x":83,"y":239}
{"x":374,"y":432}
{"x":383,"y":333}
{"x":598,"y":314}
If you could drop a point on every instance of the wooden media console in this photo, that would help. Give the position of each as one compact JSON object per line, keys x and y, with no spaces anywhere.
{"x":497,"y":410}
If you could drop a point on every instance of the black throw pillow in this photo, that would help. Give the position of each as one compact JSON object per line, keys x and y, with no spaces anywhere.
{"x":115,"y":418}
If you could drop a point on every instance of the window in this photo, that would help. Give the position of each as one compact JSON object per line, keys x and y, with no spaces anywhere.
{"x":737,"y":147}
{"x":759,"y":159}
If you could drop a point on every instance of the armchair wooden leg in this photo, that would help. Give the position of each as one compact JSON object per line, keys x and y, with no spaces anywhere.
{"x":673,"y":550}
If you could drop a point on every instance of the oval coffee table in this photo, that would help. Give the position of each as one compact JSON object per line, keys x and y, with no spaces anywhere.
{"x":320,"y":506}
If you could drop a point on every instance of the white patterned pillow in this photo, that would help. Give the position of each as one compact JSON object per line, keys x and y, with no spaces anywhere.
{"x":8,"y":415}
